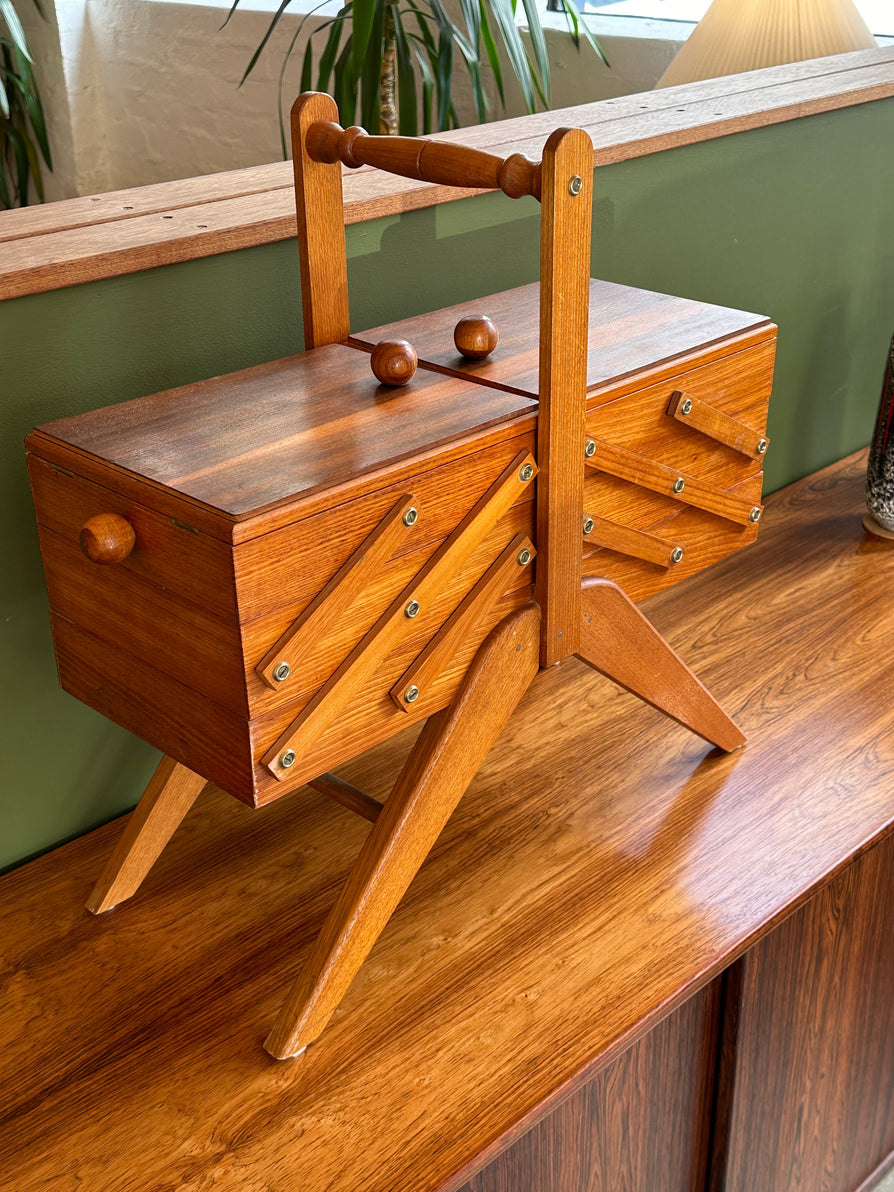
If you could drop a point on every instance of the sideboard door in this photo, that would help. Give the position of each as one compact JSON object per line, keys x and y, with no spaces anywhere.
{"x":812,"y":1104}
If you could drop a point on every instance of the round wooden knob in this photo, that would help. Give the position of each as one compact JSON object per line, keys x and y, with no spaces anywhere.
{"x":475,"y":336}
{"x":107,"y":538}
{"x":393,"y":361}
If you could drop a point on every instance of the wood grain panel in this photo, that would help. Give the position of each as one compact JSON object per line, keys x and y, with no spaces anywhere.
{"x":630,"y":330}
{"x":814,"y":1085}
{"x":705,"y":539}
{"x":191,"y":564}
{"x":245,"y":208}
{"x":601,"y":869}
{"x":186,"y":640}
{"x":280,"y":431}
{"x":738,"y":384}
{"x":281,"y":571}
{"x":638,"y":1126}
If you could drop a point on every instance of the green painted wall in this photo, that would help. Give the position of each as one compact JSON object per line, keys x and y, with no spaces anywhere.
{"x":795,"y":221}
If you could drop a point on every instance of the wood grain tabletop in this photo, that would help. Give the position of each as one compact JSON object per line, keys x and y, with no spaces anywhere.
{"x":604,"y":865}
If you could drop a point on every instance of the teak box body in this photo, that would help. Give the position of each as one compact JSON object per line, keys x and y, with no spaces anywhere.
{"x":248,"y":492}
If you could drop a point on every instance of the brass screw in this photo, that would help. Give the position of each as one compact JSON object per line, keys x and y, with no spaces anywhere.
{"x":762,"y":446}
{"x":411,"y":695}
{"x":590,"y":449}
{"x":411,"y":517}
{"x":412,"y":609}
{"x":588,"y":524}
{"x":526,"y":473}
{"x":287,"y":759}
{"x":281,"y":672}
{"x":754,"y":515}
{"x":685,"y":406}
{"x":676,"y":554}
{"x":523,"y":557}
{"x":679,"y":484}
{"x":575,"y":185}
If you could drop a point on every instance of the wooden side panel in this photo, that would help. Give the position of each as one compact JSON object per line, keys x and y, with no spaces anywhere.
{"x":193,"y":644}
{"x":813,"y":1098}
{"x":174,"y":556}
{"x":204,"y":736}
{"x":639,"y":1126}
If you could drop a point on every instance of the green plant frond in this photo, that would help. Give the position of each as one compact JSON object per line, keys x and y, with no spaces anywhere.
{"x":284,"y":4}
{"x":578,"y":25}
{"x":358,"y":38}
{"x":504,"y":15}
{"x":490,"y":48}
{"x":330,"y":52}
{"x":366,"y":13}
{"x":371,"y":74}
{"x":538,"y":42}
{"x":23,"y":133}
{"x":407,"y":105}
{"x":445,"y":78}
{"x":11,"y":19}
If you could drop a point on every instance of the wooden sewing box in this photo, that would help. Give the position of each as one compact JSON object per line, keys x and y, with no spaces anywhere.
{"x":286,"y":518}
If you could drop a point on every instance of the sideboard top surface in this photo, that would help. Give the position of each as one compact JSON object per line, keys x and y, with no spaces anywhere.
{"x":604,"y":865}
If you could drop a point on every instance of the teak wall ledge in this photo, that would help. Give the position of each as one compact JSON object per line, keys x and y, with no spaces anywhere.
{"x":87,"y":239}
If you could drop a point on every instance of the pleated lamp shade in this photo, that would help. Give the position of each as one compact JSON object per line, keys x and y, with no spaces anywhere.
{"x":737,"y":35}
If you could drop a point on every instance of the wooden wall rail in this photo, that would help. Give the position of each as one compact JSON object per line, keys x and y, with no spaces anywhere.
{"x":80,"y":240}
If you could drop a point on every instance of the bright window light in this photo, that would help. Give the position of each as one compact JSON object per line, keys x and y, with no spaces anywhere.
{"x":878,"y":14}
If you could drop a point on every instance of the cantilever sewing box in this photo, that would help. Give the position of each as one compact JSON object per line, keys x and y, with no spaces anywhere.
{"x":265,"y":573}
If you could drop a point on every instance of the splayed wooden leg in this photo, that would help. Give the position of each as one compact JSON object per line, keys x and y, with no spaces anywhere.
{"x":447,"y":754}
{"x":619,"y":642}
{"x":171,"y":792}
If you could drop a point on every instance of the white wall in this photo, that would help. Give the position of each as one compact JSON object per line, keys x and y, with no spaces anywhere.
{"x":146,"y":90}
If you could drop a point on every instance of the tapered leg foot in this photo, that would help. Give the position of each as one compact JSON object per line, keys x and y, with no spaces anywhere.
{"x":443,"y":762}
{"x":171,"y":792}
{"x":617,"y":640}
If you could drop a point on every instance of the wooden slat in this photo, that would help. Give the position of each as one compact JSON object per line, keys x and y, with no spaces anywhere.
{"x":670,"y":482}
{"x":329,"y":607}
{"x":63,"y":251}
{"x":627,"y":541}
{"x":396,"y":623}
{"x":702,"y":416}
{"x":501,"y":577}
{"x":602,"y":868}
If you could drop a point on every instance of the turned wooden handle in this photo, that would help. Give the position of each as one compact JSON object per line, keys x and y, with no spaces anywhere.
{"x":426,"y":160}
{"x":107,"y":538}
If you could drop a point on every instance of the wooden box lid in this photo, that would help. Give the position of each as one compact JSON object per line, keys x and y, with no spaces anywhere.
{"x":279,"y":432}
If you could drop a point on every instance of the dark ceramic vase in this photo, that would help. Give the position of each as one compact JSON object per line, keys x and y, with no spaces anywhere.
{"x":880,"y":473}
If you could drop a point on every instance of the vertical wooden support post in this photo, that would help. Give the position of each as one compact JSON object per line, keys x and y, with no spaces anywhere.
{"x":321,"y":229}
{"x":567,"y":199}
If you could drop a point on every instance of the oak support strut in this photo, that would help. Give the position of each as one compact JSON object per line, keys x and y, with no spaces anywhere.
{"x":443,"y":762}
{"x":171,"y":792}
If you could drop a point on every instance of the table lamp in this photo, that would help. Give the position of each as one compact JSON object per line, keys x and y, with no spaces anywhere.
{"x":740,"y":35}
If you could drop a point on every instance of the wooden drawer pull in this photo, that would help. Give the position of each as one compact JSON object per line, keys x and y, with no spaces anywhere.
{"x":704,"y":417}
{"x":107,"y":538}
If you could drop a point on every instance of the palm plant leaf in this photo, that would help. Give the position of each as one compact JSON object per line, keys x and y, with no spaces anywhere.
{"x":23,"y":131}
{"x":366,"y":35}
